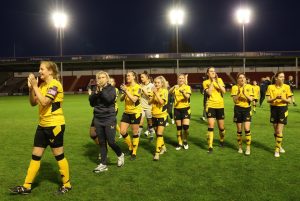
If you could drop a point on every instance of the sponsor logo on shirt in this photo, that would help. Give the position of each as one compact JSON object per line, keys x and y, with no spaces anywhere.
{"x":52,"y":91}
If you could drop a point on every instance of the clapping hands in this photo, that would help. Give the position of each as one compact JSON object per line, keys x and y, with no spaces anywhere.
{"x":31,"y":81}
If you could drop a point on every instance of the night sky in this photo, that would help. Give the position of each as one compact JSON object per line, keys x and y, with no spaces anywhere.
{"x":142,"y":26}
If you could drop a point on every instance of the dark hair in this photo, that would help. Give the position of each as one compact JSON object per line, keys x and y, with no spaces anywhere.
{"x":276,"y":76}
{"x":209,"y":69}
{"x":206,"y":76}
{"x":146,"y":73}
{"x":238,"y":75}
{"x":135,"y":75}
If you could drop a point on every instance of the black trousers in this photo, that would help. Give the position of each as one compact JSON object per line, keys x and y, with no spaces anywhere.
{"x":262,"y":97}
{"x":106,"y":133}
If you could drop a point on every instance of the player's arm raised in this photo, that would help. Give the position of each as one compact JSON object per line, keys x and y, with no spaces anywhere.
{"x":32,"y":98}
{"x":43,"y":100}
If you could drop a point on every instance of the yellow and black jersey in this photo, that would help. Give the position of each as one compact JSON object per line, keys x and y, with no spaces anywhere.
{"x":52,"y":114}
{"x":283,"y":91}
{"x":130,"y":106}
{"x":242,"y":101}
{"x":158,"y":110}
{"x":180,"y":100}
{"x":117,"y":94}
{"x":215,"y":100}
{"x":256,"y":90}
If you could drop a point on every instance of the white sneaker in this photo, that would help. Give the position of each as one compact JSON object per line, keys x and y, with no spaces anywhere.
{"x":120,"y":162}
{"x":240,"y":151}
{"x":277,"y":155}
{"x":167,"y":124}
{"x":247,"y":152}
{"x":146,"y":133}
{"x":163,"y":150}
{"x":178,"y":147}
{"x":281,"y":150}
{"x":100,"y":168}
{"x":156,"y":157}
{"x":185,"y":146}
{"x":173,"y":122}
{"x":152,"y":132}
{"x":151,"y":136}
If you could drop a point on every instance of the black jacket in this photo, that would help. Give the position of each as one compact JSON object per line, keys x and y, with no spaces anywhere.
{"x":104,"y":104}
{"x":264,"y":86}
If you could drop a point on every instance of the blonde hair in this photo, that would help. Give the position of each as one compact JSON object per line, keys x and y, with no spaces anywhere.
{"x":185,"y":78}
{"x":111,"y":80}
{"x":163,"y":80}
{"x":103,"y":73}
{"x":53,"y":67}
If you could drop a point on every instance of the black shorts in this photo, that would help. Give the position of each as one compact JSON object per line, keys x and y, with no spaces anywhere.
{"x":279,"y":114}
{"x":53,"y":136}
{"x":242,"y":114}
{"x":159,"y":122}
{"x":182,"y":113}
{"x":217,"y":113}
{"x":131,"y":118}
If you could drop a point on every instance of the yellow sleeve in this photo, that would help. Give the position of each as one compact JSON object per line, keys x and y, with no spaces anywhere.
{"x":204,"y":85}
{"x":52,"y":90}
{"x":188,"y":89}
{"x":221,"y":83}
{"x":250,"y":90}
{"x":137,"y":91}
{"x":234,"y":90}
{"x":268,"y":93}
{"x":288,"y":91}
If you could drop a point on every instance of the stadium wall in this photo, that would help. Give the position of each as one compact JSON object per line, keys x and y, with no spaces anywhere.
{"x":171,"y":70}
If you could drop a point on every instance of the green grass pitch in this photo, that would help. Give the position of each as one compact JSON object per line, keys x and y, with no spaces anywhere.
{"x":178,"y":175}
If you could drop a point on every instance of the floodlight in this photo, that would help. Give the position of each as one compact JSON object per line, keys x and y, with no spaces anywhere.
{"x":60,"y":19}
{"x":243,"y":15}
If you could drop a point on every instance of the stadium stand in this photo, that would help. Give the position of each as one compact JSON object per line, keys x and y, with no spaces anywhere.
{"x":4,"y":76}
{"x":118,"y":79}
{"x":82,"y":82}
{"x":254,"y":75}
{"x":68,"y":82}
{"x":292,"y":73}
{"x":225,"y":77}
{"x":13,"y":85}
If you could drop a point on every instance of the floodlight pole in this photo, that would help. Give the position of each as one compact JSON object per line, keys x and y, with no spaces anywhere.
{"x":243,"y":17}
{"x":60,"y":20}
{"x":124,"y":72}
{"x":244,"y":59}
{"x":61,"y":52}
{"x":177,"y":51}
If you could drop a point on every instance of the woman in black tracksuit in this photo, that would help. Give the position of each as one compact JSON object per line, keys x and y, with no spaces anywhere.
{"x":103,"y":101}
